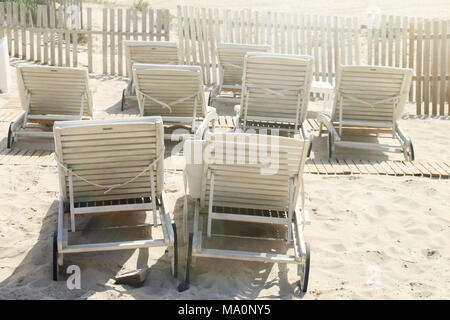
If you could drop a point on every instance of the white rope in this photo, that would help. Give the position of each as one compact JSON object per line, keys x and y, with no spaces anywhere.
{"x":232,"y":65}
{"x":166,"y":105}
{"x":279,"y":92}
{"x":111,"y":186}
{"x":373,"y":104}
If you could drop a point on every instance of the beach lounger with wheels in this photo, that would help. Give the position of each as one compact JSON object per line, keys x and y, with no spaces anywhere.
{"x":153,"y":52}
{"x":111,"y":167}
{"x":231,"y":178}
{"x":174,"y":92}
{"x":50,"y":94}
{"x":368,"y":101}
{"x":231,"y":64}
{"x":275,"y":93}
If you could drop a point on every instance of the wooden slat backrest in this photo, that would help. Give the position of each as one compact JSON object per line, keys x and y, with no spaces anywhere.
{"x":371,"y":83}
{"x":231,"y":60}
{"x":286,"y":74}
{"x":252,"y":171}
{"x":153,"y":52}
{"x":110,"y":152}
{"x":54,"y":90}
{"x":169,"y":83}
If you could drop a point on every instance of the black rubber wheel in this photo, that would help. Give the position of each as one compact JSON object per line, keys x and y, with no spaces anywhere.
{"x":183,"y":286}
{"x":123,"y":100}
{"x":55,"y":256}
{"x":175,"y":251}
{"x":411,"y":152}
{"x":309,"y":149}
{"x":305,"y":276}
{"x":10,"y":141}
{"x":330,"y":145}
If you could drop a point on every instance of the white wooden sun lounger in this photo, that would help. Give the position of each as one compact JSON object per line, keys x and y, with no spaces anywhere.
{"x":368,"y":100}
{"x":153,"y":52}
{"x":275,"y":92}
{"x":174,"y":92}
{"x":234,"y":182}
{"x":231,"y":64}
{"x":50,"y":94}
{"x":111,"y":166}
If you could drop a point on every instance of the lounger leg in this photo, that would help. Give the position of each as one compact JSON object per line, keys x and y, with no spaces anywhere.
{"x":186,"y":283}
{"x":175,"y":252}
{"x":211,"y":195}
{"x":10,"y":140}
{"x":185,"y":209}
{"x":291,"y":205}
{"x":152,"y":183}
{"x":72,"y":205}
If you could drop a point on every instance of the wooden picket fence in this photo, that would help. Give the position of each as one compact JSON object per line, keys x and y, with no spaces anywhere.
{"x":330,"y":40}
{"x":422,"y":45}
{"x":50,"y":39}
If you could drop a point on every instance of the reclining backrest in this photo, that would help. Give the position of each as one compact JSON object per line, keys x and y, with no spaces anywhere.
{"x":108,"y":152}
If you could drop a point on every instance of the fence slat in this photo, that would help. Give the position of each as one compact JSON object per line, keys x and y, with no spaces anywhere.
{"x":52,"y":35}
{"x":89,"y":27}
{"x":60,"y":36}
{"x":151,"y":24}
{"x":159,"y":24}
{"x":120,"y":42}
{"x":45,"y":38}
{"x":444,"y":61}
{"x":9,"y":24}
{"x":112,"y":44}
{"x":418,"y":66}
{"x":16,"y":29}
{"x":2,"y":19}
{"x":426,"y":68}
{"x":23,"y":24}
{"x":105,"y":46}
{"x":435,"y":67}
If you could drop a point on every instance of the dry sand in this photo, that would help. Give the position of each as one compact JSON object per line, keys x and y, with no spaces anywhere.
{"x":372,"y":237}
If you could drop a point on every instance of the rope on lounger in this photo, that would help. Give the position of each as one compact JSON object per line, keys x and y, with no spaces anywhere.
{"x":373,"y":104}
{"x":112,"y":186}
{"x":232,"y":65}
{"x":279,"y":92}
{"x":166,"y":105}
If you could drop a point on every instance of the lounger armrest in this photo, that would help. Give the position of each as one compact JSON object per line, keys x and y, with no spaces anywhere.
{"x":211,"y":116}
{"x":18,"y":123}
{"x":324,"y":118}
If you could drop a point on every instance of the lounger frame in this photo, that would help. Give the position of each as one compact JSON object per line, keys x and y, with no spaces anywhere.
{"x":337,"y":125}
{"x":160,"y":52}
{"x":295,"y":217}
{"x":231,"y":60}
{"x":20,"y":127}
{"x":155,"y":202}
{"x":273,"y":82}
{"x":202,"y":114}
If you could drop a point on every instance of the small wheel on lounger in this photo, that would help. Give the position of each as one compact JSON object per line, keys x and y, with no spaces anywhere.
{"x":309,"y":150}
{"x":304,"y":270}
{"x":55,"y":256}
{"x":10,"y":140}
{"x":123,"y":100}
{"x":210,"y":99}
{"x":330,"y":144}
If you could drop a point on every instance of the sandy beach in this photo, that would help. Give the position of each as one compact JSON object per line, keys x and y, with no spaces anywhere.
{"x":371,"y":236}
